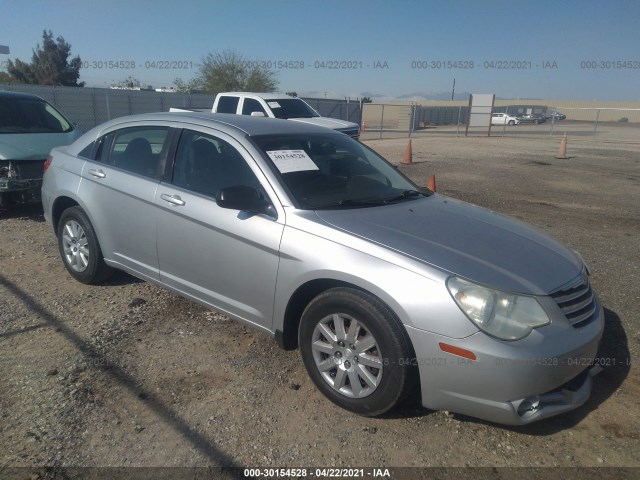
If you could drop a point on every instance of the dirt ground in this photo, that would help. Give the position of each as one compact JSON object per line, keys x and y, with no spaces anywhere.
{"x":126,"y":374}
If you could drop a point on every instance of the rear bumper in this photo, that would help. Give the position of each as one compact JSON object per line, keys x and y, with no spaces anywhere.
{"x":512,"y":383}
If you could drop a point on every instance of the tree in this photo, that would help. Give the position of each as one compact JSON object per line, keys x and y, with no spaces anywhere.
{"x":366,"y":100}
{"x":185,"y":87}
{"x":6,"y":78}
{"x":50,"y":64}
{"x":231,"y":71}
{"x":129,"y":83}
{"x":292,"y":94}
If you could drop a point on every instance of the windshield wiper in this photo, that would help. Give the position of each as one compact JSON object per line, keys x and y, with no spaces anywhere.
{"x":403,"y":195}
{"x":350,"y":202}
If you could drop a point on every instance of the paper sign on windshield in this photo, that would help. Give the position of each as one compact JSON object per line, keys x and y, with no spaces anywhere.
{"x":273,"y":104}
{"x":292,"y":160}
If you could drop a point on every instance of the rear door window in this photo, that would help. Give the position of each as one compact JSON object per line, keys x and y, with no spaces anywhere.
{"x":137,"y":150}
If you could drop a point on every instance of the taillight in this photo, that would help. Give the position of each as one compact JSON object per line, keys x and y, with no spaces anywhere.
{"x":48,"y":162}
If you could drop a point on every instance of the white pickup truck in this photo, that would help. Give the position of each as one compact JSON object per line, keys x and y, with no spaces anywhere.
{"x":276,"y":105}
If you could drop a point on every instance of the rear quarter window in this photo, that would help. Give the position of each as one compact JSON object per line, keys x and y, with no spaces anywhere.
{"x":87,"y":152}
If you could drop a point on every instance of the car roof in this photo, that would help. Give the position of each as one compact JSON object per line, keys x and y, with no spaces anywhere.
{"x":249,"y":125}
{"x":264,"y":95}
{"x":7,"y":93}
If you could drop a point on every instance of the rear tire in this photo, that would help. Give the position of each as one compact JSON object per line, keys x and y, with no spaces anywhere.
{"x":356,"y":351}
{"x":79,"y":247}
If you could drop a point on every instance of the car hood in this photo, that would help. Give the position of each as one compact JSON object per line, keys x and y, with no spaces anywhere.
{"x":33,"y":146}
{"x":326,"y":122}
{"x":465,"y":240}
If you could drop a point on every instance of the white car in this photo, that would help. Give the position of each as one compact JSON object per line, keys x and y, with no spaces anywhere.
{"x":274,"y":105}
{"x":503,"y":119}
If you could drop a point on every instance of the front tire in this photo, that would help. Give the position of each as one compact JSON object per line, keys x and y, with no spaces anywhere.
{"x":79,"y":247}
{"x":511,"y":123}
{"x":356,"y":351}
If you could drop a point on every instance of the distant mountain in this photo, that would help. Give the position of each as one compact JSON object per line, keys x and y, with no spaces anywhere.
{"x":373,"y":95}
{"x":433,"y":96}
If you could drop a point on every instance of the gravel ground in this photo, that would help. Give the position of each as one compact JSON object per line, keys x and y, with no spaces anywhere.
{"x":126,"y":374}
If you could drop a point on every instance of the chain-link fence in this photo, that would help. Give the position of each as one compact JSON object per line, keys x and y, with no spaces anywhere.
{"x":342,"y":109}
{"x":601,"y":123}
{"x":88,"y":107}
{"x":608,"y":123}
{"x":387,"y":120}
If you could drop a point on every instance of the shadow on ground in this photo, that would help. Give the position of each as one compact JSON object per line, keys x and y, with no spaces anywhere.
{"x":110,"y":368}
{"x":31,"y":211}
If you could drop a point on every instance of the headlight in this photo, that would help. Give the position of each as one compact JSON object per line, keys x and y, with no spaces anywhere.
{"x":503,"y":315}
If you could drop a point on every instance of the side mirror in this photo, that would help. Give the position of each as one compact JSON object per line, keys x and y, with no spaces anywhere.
{"x":257,"y":114}
{"x":244,"y":198}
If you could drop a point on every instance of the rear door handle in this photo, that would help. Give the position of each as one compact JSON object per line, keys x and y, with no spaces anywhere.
{"x":174,"y":200}
{"x":97,"y":173}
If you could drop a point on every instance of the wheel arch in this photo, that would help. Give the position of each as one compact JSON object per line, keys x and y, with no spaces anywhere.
{"x":60,"y":204}
{"x":287,"y":337}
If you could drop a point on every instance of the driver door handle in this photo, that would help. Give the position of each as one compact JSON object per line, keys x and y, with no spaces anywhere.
{"x":97,"y":173}
{"x":174,"y":200}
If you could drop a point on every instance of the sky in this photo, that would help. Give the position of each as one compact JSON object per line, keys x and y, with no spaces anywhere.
{"x":572,"y":49}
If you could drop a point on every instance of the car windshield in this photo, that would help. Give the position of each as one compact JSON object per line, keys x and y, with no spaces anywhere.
{"x":291,"y":108}
{"x":333,"y":171}
{"x":30,"y":115}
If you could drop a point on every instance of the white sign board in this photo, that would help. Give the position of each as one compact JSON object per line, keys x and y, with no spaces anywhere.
{"x":480,"y":110}
{"x":287,"y":161}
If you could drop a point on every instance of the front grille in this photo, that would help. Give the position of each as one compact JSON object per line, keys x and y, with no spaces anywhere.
{"x":577,"y":302}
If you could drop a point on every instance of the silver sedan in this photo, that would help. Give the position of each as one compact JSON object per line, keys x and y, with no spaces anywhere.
{"x":388,"y":289}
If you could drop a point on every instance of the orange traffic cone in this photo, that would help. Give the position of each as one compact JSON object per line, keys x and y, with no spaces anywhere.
{"x":562,"y":152}
{"x":408,"y":155}
{"x":432,"y":183}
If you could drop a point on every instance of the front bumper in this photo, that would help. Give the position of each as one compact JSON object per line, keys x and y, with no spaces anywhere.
{"x":17,"y":185}
{"x":21,"y":178}
{"x":513,"y":383}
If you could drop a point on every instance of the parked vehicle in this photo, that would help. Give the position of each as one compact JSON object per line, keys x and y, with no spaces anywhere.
{"x":532,"y":118}
{"x":275,"y":105}
{"x":29,"y":128}
{"x":556,"y":116}
{"x":312,"y":237}
{"x":503,"y":119}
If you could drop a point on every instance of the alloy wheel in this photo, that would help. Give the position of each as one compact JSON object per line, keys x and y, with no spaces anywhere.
{"x":75,"y":246}
{"x":347,"y":355}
